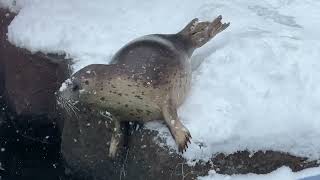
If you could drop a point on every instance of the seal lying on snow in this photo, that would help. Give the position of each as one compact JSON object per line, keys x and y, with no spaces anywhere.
{"x":148,"y":79}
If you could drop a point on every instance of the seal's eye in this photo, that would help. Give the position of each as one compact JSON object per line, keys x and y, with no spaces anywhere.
{"x":75,"y":88}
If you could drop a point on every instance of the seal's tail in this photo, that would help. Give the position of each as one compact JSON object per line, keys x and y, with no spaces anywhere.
{"x":200,"y":33}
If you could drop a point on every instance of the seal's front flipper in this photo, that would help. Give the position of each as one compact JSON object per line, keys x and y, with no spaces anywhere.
{"x":117,"y":135}
{"x":180,"y":133}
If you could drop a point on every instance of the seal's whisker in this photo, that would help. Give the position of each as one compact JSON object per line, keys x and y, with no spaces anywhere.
{"x":74,"y":110}
{"x":70,"y":108}
{"x":67,"y":109}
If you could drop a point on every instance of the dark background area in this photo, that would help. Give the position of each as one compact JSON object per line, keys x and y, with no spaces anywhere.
{"x":26,"y":151}
{"x":29,"y":124}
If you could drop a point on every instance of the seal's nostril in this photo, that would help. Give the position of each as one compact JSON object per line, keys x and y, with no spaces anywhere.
{"x":75,"y":88}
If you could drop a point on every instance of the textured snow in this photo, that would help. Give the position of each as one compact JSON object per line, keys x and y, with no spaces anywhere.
{"x":257,"y":87}
{"x":283,"y":173}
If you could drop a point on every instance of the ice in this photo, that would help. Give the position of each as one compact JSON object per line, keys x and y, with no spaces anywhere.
{"x":256,"y":86}
{"x":283,"y":173}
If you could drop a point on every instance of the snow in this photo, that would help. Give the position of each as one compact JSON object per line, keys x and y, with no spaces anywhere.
{"x":283,"y":173}
{"x":257,"y":85}
{"x":65,"y":85}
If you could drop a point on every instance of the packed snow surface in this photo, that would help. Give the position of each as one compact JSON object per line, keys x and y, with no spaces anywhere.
{"x":257,"y":87}
{"x":283,"y":173}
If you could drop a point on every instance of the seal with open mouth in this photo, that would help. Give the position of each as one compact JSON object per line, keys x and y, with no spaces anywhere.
{"x":148,"y":79}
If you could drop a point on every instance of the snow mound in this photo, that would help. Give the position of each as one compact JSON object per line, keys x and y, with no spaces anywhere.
{"x":283,"y":173}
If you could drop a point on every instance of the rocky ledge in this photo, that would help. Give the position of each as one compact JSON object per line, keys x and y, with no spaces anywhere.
{"x":85,"y":144}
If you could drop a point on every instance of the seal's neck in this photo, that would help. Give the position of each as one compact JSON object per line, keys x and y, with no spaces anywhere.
{"x":181,"y":42}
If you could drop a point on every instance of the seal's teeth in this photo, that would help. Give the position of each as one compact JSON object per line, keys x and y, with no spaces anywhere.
{"x":194,"y":23}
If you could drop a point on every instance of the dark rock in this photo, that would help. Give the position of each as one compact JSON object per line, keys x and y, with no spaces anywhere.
{"x":260,"y":162}
{"x":28,"y":80}
{"x":28,"y":119}
{"x":5,"y":19}
{"x":25,"y":157}
{"x":85,"y":144}
{"x":85,"y":147}
{"x":31,"y":81}
{"x":1,"y":80}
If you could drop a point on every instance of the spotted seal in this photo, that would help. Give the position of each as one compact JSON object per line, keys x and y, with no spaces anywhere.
{"x":147,"y":79}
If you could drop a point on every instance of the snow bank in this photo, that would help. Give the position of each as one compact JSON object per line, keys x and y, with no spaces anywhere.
{"x":283,"y":173}
{"x":16,"y":5}
{"x":257,"y":88}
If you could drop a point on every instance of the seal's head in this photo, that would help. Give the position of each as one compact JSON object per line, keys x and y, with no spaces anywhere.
{"x":68,"y":95}
{"x":80,"y":88}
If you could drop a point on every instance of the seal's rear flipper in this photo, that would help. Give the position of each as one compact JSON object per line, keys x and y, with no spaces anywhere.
{"x":199,"y":33}
{"x":216,"y":26}
{"x":117,"y":135}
